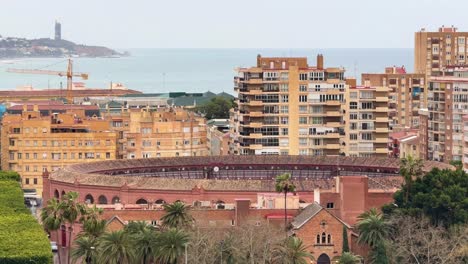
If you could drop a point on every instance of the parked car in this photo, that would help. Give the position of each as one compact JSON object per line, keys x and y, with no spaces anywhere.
{"x":54,"y":246}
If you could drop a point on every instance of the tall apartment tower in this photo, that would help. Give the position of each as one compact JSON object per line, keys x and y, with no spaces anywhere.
{"x":406,"y":94}
{"x":366,"y":121}
{"x":287,"y":107}
{"x":58,"y":31}
{"x":435,"y":50}
{"x":447,"y":104}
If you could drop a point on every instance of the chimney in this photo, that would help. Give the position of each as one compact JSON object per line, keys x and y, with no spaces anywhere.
{"x":317,"y":195}
{"x":320,"y":61}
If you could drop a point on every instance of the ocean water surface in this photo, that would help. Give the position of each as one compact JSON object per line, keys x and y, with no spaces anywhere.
{"x":190,"y":70}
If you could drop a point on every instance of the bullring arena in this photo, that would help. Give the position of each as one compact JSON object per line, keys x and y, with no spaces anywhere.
{"x":154,"y":181}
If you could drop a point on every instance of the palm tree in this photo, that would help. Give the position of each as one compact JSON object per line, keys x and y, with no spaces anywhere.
{"x":285,"y":185}
{"x":52,"y":219}
{"x":349,"y":258}
{"x":373,"y":231}
{"x":177,"y":215}
{"x":145,"y":238}
{"x":116,"y":248}
{"x":171,"y":246}
{"x":292,"y":251}
{"x":92,"y":224}
{"x":85,"y":248}
{"x":373,"y":228}
{"x":410,"y":168}
{"x":71,"y":212}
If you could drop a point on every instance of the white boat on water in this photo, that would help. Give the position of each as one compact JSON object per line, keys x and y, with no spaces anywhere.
{"x":8,"y":61}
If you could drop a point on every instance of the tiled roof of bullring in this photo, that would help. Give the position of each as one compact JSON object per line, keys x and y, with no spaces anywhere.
{"x":93,"y":173}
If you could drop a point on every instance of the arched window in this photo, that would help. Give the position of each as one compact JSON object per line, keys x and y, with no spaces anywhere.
{"x":115,"y":200}
{"x":89,"y":199}
{"x":141,"y":201}
{"x":329,"y":239}
{"x":56,"y":194}
{"x":324,"y":237}
{"x":160,"y":201}
{"x":318,"y":239}
{"x":102,"y":200}
{"x":63,"y":193}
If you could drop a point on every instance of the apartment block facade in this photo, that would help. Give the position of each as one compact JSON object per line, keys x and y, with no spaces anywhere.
{"x":32,"y":144}
{"x":286,"y":107}
{"x":433,"y":51}
{"x":164,"y":132}
{"x":406,"y":94}
{"x":366,"y":122}
{"x":447,"y":104}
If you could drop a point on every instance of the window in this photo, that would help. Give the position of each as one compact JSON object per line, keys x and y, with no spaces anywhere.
{"x":302,"y":141}
{"x":284,"y":131}
{"x":366,"y":136}
{"x":284,"y":98}
{"x":303,"y":76}
{"x":44,"y":143}
{"x":146,"y":130}
{"x":330,"y":205}
{"x":329,"y":239}
{"x":303,"y":88}
{"x":284,"y":87}
{"x":35,"y":180}
{"x":284,"y":120}
{"x":35,"y":155}
{"x":27,"y":181}
{"x":108,"y":155}
{"x":353,"y":105}
{"x":302,"y":98}
{"x":318,"y":239}
{"x":353,"y":136}
{"x":303,"y":109}
{"x":26,"y":168}
{"x":303,"y":120}
{"x":284,"y":109}
{"x":353,"y":116}
{"x":44,"y":155}
{"x":323,"y":238}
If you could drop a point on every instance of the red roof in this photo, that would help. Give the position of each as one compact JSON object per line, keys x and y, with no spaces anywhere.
{"x":56,"y":107}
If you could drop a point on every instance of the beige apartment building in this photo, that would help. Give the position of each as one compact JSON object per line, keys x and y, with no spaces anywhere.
{"x":31,"y":143}
{"x":366,"y":122}
{"x":465,"y":143}
{"x":406,"y":94}
{"x":287,"y":107}
{"x":164,"y":132}
{"x":447,"y":104}
{"x":433,"y":51}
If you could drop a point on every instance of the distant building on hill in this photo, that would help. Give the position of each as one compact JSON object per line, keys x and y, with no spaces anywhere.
{"x":58,"y":31}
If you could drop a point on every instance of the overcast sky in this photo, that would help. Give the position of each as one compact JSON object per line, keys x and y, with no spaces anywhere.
{"x":232,"y":23}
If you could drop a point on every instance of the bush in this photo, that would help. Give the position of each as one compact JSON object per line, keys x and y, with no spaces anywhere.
{"x":22,"y":239}
{"x":10,"y":175}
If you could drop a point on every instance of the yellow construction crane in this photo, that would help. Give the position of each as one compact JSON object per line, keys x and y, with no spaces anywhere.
{"x":69,"y":74}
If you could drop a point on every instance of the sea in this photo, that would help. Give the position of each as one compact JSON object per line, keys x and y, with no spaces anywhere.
{"x":189,"y":70}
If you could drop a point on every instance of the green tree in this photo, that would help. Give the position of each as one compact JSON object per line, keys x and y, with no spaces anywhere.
{"x":410,"y":168}
{"x":177,"y":215}
{"x":93,"y":225}
{"x":374,"y":231}
{"x":441,"y":195}
{"x":85,"y":249}
{"x":217,"y":107}
{"x":285,"y":185}
{"x":171,"y":246}
{"x":349,"y":258}
{"x":345,"y":239}
{"x":145,"y":239}
{"x":292,"y":251}
{"x":116,"y":248}
{"x":52,"y":219}
{"x":71,"y":211}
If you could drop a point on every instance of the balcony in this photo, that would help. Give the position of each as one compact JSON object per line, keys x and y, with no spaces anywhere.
{"x":332,"y":146}
{"x":255,"y":146}
{"x":333,"y":124}
{"x":254,"y":81}
{"x":255,"y":124}
{"x":381,"y":99}
{"x":381,"y":140}
{"x":381,"y":109}
{"x":333,"y":113}
{"x":255,"y":92}
{"x":255,"y":103}
{"x":381,"y":130}
{"x":381,"y":150}
{"x":256,"y":135}
{"x":333,"y":103}
{"x":256,"y":114}
{"x":381,"y":119}
{"x":381,"y":89}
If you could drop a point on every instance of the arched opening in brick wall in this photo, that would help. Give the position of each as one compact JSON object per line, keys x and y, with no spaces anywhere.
{"x":323,"y":259}
{"x":89,"y":199}
{"x":220,"y":204}
{"x":115,"y":200}
{"x":56,"y":194}
{"x":102,"y":200}
{"x":141,"y":201}
{"x":160,"y":201}
{"x":63,"y":193}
